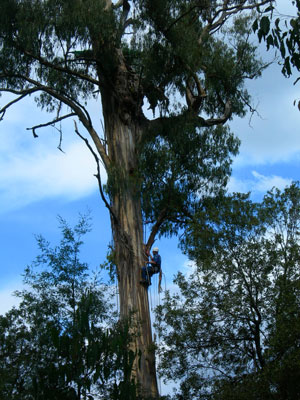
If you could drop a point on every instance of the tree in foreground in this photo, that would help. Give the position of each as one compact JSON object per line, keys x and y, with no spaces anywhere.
{"x":186,"y":61}
{"x":233,"y":332}
{"x":64,"y":341}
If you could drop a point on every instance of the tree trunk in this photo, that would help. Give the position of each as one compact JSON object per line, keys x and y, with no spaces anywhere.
{"x":123,"y":131}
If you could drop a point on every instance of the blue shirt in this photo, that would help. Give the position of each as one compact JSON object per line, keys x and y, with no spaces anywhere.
{"x":157,"y":260}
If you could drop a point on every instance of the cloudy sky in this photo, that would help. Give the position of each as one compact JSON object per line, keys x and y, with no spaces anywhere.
{"x":39,"y":182}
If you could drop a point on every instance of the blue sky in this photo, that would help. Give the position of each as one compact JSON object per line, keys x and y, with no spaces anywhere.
{"x":38,"y":182}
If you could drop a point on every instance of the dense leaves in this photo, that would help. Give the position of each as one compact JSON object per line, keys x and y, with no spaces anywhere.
{"x":64,"y":341}
{"x":232,"y":331}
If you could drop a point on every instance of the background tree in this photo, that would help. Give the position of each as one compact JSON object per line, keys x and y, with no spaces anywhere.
{"x":232,"y":331}
{"x":64,"y":340}
{"x":181,"y":59}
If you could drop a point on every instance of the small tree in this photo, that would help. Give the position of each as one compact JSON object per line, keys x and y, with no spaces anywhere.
{"x":233,"y":330}
{"x":63,"y":341}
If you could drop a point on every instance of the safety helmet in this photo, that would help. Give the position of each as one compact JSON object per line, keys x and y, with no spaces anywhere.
{"x":155,"y":249}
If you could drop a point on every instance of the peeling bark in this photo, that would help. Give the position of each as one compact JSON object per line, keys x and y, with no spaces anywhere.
{"x":123,"y":130}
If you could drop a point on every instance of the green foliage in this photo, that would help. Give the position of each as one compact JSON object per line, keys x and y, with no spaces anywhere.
{"x":181,"y":174}
{"x":63,"y":341}
{"x":65,"y":52}
{"x":232,"y":331}
{"x":283,"y":34}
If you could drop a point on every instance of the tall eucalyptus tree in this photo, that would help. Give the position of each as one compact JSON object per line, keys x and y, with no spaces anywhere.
{"x":186,"y":60}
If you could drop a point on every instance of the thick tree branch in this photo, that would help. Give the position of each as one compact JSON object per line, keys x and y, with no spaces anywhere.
{"x":218,"y":121}
{"x":161,"y":218}
{"x":194,"y":100}
{"x":118,"y":4}
{"x":156,"y":124}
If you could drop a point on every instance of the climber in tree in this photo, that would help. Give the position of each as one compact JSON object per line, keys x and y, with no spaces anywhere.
{"x":152,"y":267}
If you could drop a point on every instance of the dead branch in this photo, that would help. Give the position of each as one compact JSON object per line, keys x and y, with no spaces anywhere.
{"x":50,"y":123}
{"x":98,"y":175}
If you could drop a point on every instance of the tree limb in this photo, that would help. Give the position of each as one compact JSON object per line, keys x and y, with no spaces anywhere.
{"x":98,"y":175}
{"x":226,"y":12}
{"x":217,"y":121}
{"x":22,"y":93}
{"x":155,"y":124}
{"x":118,"y":4}
{"x":54,"y":121}
{"x":46,"y":63}
{"x":78,"y":109}
{"x":161,"y":218}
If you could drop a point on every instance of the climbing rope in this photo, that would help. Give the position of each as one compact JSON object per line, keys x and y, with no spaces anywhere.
{"x":154,"y":302}
{"x":117,"y":296}
{"x":158,"y":343}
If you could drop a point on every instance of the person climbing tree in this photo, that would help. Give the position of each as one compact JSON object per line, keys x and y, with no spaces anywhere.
{"x":153,"y":267}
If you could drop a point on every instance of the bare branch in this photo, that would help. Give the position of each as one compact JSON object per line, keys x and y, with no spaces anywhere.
{"x":155,"y":124}
{"x":60,"y":139}
{"x":98,"y":175}
{"x":54,"y":121}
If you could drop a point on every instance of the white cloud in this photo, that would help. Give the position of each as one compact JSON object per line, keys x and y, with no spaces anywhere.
{"x":259,"y":184}
{"x":264,"y":183}
{"x":34,"y":169}
{"x":274,"y":136}
{"x":40,"y":172}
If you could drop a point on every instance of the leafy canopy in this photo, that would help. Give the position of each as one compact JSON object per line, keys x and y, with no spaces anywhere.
{"x":182,"y":59}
